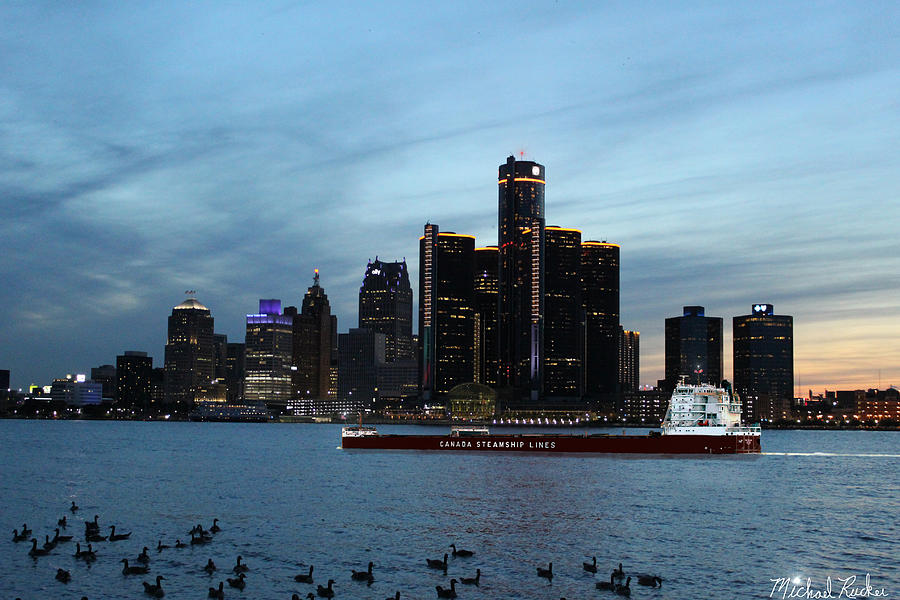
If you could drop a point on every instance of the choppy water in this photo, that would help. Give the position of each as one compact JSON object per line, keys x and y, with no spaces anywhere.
{"x":815,"y":504}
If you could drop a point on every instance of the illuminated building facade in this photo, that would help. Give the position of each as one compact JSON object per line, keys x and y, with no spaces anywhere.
{"x":385,"y":306}
{"x":133,"y":371}
{"x":446,"y":310}
{"x":269,"y":356}
{"x":600,"y":299}
{"x":485,"y":325}
{"x":693,"y":348}
{"x":764,"y":362}
{"x":563,"y":330}
{"x":189,"y":354}
{"x":521,"y":277}
{"x":629,"y":360}
{"x":314,"y":332}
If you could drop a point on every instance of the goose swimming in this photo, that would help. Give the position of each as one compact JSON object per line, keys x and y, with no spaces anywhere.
{"x":326,"y":592}
{"x":546,"y":573}
{"x":364,"y":575}
{"x":155,"y":590}
{"x":308,"y":578}
{"x":447,"y":593}
{"x":135,"y":570}
{"x":472,"y":580}
{"x":463,"y":553}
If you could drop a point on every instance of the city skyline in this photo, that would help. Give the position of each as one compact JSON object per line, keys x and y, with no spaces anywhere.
{"x":737,"y":154}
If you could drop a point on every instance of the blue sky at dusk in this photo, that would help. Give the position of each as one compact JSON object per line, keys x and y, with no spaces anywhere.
{"x":739,"y":153}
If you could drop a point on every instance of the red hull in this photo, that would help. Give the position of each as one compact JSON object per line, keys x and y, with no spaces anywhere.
{"x":529,"y":442}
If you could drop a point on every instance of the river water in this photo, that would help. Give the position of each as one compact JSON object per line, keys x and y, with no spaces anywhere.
{"x":815,"y":505}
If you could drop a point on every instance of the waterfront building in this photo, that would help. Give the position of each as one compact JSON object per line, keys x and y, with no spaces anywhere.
{"x":76,"y":392}
{"x":600,"y":299}
{"x":385,"y":306}
{"x":235,"y":369}
{"x":314,"y":331}
{"x":645,"y":406}
{"x":189,"y":354}
{"x":629,"y":360}
{"x":693,"y":348}
{"x":268,"y":356}
{"x":446,"y":310}
{"x":220,"y":353}
{"x":361,"y":353}
{"x":563,"y":313}
{"x":485,"y":323}
{"x":5,"y":391}
{"x":133,"y":372}
{"x":521,"y":278}
{"x":158,"y":387}
{"x":879,"y":406}
{"x":764,"y":362}
{"x":105,"y":375}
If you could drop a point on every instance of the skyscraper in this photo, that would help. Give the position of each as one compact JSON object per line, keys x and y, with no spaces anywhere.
{"x":314,"y":331}
{"x":521,"y":277}
{"x":693,"y":348}
{"x":629,"y":360}
{"x":600,"y":299}
{"x":562,"y":313}
{"x":268,"y":358}
{"x":235,"y":367}
{"x":189,"y":356}
{"x":485,"y":324}
{"x":764,"y":362}
{"x":446,"y":310}
{"x":385,"y":306}
{"x":360,"y":353}
{"x":133,"y":371}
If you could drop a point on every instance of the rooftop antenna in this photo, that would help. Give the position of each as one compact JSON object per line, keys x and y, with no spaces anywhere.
{"x":190,"y":292}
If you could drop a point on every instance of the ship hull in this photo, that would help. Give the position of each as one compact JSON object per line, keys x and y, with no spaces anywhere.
{"x":596,"y":443}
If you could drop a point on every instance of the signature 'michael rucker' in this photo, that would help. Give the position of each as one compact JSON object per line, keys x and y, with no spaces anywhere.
{"x":785,"y":587}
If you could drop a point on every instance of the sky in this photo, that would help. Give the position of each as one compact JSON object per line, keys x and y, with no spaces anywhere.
{"x":738,"y":152}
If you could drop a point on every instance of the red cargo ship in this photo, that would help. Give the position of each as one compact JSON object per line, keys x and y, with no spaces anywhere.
{"x":701,"y":419}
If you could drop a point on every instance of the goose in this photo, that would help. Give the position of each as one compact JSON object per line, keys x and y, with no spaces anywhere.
{"x":74,"y":506}
{"x":437,"y":564}
{"x":650,"y":580}
{"x":25,"y":530}
{"x":19,"y":537}
{"x":590,"y":567}
{"x":210,"y":566}
{"x":89,"y":554}
{"x":395,"y":596}
{"x":608,"y":585}
{"x":160,"y":546}
{"x":326,"y":592}
{"x":237,"y":582}
{"x":114,"y":537}
{"x":135,"y":570}
{"x":35,"y":551}
{"x":364,"y":575}
{"x":463,"y":553}
{"x":62,"y":522}
{"x":445,"y":593}
{"x":62,"y":538}
{"x":218,"y":592}
{"x":94,"y":536}
{"x":546,"y":573}
{"x":180,"y":544}
{"x":63,"y":575}
{"x":48,"y":543}
{"x":198,"y":540}
{"x":215,"y":528}
{"x":84,"y":554}
{"x":92,"y":525}
{"x":308,"y":578}
{"x":624,"y":590}
{"x":619,"y":573}
{"x":238,"y":567}
{"x":472,"y":580}
{"x":155,"y":590}
{"x":143,"y":557}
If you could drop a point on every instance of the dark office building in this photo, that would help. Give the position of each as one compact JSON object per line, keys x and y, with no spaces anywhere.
{"x":360,"y":354}
{"x":521,"y":277}
{"x":235,"y":368}
{"x":190,"y":356}
{"x":562,"y":313}
{"x":600,"y":299}
{"x":764,"y":362}
{"x":385,"y":306}
{"x":5,"y":391}
{"x":105,"y":375}
{"x":629,"y":360}
{"x":314,"y":334}
{"x":485,"y":325}
{"x":446,"y":310}
{"x":133,"y":372}
{"x":220,"y":347}
{"x":693,"y":348}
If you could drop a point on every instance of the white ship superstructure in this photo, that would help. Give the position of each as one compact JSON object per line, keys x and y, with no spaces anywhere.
{"x":704,"y":410}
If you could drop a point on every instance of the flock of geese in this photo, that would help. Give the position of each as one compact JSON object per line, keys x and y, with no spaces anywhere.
{"x":200,"y":536}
